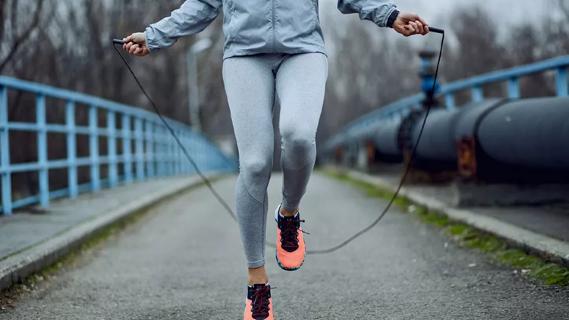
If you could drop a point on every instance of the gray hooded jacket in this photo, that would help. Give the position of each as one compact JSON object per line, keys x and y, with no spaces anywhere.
{"x":262,"y":26}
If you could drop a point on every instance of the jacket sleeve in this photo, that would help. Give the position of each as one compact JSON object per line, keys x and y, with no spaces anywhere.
{"x":377,"y":11}
{"x":192,"y":17}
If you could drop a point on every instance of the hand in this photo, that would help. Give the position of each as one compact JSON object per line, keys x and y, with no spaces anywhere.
{"x":409,"y":24}
{"x":135,"y":44}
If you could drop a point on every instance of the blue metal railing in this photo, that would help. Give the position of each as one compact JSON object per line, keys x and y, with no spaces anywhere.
{"x":364,"y":126}
{"x":155,"y":151}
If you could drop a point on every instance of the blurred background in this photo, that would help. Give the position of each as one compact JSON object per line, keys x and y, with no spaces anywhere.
{"x":491,"y":171}
{"x":68,"y":44}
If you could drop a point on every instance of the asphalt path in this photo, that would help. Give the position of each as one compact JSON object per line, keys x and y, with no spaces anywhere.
{"x":184,"y":261}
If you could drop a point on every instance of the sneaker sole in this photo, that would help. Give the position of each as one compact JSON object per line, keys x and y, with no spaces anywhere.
{"x":285,"y":268}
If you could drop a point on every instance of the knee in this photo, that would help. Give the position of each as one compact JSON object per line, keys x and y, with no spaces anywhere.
{"x":298,"y":140}
{"x":257,"y":168}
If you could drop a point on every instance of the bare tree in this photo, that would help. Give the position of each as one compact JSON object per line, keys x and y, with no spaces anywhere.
{"x":19,"y":38}
{"x":479,"y":49}
{"x":563,"y":6}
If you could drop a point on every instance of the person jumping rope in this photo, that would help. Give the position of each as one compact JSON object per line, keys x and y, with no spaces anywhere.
{"x":273,"y":48}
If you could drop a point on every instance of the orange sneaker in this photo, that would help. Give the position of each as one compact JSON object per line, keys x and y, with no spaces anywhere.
{"x":290,"y":242}
{"x":259,"y":305}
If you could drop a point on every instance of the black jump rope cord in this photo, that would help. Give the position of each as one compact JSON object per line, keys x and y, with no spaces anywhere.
{"x":228,"y":208}
{"x":178,"y":141}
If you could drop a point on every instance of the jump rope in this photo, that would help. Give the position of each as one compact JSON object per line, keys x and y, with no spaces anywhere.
{"x":228,"y":208}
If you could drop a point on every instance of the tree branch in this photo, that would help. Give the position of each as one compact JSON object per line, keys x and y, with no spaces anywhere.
{"x":564,"y":6}
{"x":24,"y":35}
{"x":2,"y":18}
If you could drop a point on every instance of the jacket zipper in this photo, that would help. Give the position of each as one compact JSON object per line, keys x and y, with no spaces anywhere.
{"x":274,"y":25}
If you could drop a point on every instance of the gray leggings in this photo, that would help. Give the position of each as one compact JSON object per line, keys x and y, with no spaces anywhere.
{"x":251,"y":84}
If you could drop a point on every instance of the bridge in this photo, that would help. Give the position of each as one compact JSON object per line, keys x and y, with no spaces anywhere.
{"x":133,"y":233}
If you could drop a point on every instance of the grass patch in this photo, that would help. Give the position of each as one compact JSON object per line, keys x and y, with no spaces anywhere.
{"x":434,"y":218}
{"x":497,"y":249}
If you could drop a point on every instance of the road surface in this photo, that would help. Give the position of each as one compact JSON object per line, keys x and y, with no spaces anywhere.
{"x":184,"y":261}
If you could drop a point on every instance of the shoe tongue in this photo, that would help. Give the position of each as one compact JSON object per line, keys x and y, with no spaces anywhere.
{"x":252,"y":289}
{"x":293,"y":218}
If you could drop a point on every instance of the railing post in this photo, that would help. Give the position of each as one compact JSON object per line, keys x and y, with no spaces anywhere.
{"x":160,"y":143}
{"x":5,"y":153}
{"x":167,"y":153}
{"x":179,"y":154}
{"x":477,"y":94}
{"x":172,"y":160}
{"x":189,"y":142}
{"x":514,"y":88}
{"x":173,"y":155}
{"x":94,"y":149}
{"x":112,"y":146}
{"x":71,"y":149}
{"x":139,"y":149}
{"x":148,"y":127}
{"x":42,"y":151}
{"x":127,"y":148}
{"x":449,"y":101}
{"x":561,"y":82}
{"x":183,"y":160}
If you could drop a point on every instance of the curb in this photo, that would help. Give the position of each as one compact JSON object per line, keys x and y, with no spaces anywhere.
{"x":546,"y":247}
{"x":18,"y":267}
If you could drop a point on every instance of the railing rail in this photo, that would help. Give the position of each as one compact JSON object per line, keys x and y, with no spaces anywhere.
{"x":367,"y":124}
{"x":148,"y":150}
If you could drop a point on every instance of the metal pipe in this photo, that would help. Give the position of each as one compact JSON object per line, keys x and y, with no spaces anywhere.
{"x":533,"y":133}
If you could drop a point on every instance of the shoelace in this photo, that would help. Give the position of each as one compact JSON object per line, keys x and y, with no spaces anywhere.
{"x":260,"y":303}
{"x":289,"y":233}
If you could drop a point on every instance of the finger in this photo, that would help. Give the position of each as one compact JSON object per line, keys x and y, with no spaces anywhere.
{"x":137,"y":39}
{"x":143,"y":52}
{"x":414,"y":26}
{"x":129,"y":38}
{"x":128,"y":45}
{"x":140,"y":50}
{"x":421,"y":27}
{"x":146,"y":51}
{"x":417,"y":27}
{"x":422,"y":21}
{"x":132,"y":49}
{"x":427,"y":30}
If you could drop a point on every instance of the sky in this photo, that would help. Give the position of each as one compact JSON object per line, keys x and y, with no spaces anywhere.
{"x":509,"y":11}
{"x":438,"y":13}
